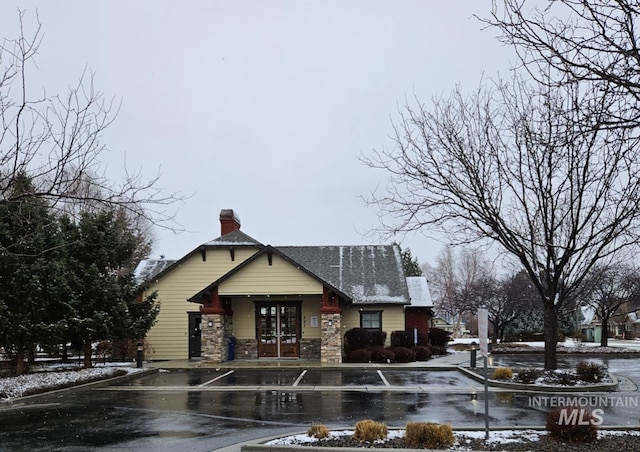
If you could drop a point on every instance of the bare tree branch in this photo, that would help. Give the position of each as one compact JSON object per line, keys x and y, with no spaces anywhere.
{"x":534,"y":168}
{"x":57,"y":142}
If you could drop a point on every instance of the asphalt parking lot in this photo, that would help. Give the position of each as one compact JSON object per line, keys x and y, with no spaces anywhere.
{"x":301,"y":378}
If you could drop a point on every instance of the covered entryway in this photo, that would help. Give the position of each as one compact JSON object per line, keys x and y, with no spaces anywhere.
{"x":278,"y":329}
{"x":195,"y":338}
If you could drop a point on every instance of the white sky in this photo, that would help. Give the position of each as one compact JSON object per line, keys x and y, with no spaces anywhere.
{"x":262,"y":106}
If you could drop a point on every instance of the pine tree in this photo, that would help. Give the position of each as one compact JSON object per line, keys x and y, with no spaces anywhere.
{"x":33,"y":286}
{"x":104,"y":287}
{"x":410,"y":264}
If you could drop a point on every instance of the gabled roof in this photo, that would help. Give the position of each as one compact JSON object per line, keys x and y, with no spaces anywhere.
{"x":588,"y":315}
{"x":235,"y":238}
{"x":153,"y":268}
{"x":369,"y":274}
{"x":149,"y":268}
{"x":360,"y":274}
{"x":265,"y":250}
{"x":419,"y":292}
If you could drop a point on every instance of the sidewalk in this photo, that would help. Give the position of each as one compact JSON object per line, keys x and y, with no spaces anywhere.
{"x":447,"y":362}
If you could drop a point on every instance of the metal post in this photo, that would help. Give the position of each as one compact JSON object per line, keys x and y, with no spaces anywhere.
{"x":472,"y":363}
{"x":139,"y":355}
{"x":486,"y":399}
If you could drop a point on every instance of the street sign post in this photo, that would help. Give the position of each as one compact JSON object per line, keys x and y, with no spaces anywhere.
{"x":483,"y":333}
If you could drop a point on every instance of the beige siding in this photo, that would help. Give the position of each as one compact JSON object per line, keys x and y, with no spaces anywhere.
{"x":244,"y":319}
{"x":392,"y":318}
{"x":260,"y":278}
{"x":169,"y":338}
{"x":311,"y":308}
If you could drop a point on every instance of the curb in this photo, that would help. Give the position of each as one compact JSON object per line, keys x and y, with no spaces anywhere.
{"x":606,"y":387}
{"x":259,"y":446}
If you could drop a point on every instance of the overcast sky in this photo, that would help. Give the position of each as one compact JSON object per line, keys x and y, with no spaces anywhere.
{"x":262,"y":106}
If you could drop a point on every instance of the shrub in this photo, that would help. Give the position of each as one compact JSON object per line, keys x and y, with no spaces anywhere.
{"x":428,"y":435}
{"x":402,"y":339}
{"x":370,"y":430}
{"x":562,"y":378}
{"x":502,"y":373}
{"x":318,"y":431}
{"x":589,"y":372}
{"x":382,"y":355}
{"x":528,"y":376}
{"x":357,"y":338}
{"x":354,"y":339}
{"x":438,"y":350}
{"x":377,"y":337}
{"x":580,"y":337}
{"x":361,"y":355}
{"x":404,"y":355}
{"x":407,"y":338}
{"x":573,"y":424}
{"x":439,"y":337}
{"x":422,"y":353}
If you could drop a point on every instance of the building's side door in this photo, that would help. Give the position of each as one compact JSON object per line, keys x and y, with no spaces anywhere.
{"x":195,"y":340}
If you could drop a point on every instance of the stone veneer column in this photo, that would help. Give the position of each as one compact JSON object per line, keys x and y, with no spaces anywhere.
{"x":331,"y":338}
{"x":214,"y":346}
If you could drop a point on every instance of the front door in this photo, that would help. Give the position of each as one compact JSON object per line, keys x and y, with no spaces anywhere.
{"x":195,"y":341}
{"x":278,"y":330}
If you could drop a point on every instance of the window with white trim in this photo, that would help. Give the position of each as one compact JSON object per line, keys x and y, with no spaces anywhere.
{"x":371,"y":320}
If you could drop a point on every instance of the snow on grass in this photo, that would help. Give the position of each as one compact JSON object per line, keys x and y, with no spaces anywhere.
{"x":303,"y":439}
{"x":463,"y":437}
{"x":38,"y":382}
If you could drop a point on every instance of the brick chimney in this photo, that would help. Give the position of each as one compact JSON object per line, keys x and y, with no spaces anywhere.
{"x":229,"y":221}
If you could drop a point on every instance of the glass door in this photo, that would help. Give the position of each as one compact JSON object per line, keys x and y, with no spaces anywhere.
{"x":278,"y":330}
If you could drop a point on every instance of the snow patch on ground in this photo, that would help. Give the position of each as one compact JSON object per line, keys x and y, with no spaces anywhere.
{"x":462,"y":436}
{"x":42,"y":381}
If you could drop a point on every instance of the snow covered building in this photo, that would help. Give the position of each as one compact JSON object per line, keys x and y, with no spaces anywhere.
{"x":235,"y":298}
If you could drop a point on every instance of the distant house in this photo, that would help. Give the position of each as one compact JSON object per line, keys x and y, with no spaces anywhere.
{"x":446,"y":322}
{"x":236,"y":298}
{"x":591,"y":324}
{"x":632,"y":325}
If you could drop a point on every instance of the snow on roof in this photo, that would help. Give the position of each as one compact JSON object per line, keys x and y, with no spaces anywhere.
{"x":419,"y":292}
{"x":369,"y":274}
{"x":234,"y":238}
{"x":588,"y":313}
{"x":148,"y":268}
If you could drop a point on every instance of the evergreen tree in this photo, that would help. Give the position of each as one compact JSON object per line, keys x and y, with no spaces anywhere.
{"x":410,"y":264}
{"x":104,"y":288}
{"x":33,"y":286}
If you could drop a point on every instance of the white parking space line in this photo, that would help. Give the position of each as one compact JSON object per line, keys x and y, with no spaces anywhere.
{"x":299,"y":378}
{"x":217,"y":378}
{"x":384,"y":380}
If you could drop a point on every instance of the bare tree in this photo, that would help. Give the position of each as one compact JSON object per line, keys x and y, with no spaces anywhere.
{"x":608,"y":290}
{"x":55,"y":140}
{"x":456,"y":281}
{"x":593,"y":41}
{"x":532,"y":167}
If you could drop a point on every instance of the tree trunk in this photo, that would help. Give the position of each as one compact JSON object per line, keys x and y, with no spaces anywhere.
{"x":604,"y":337}
{"x":65,"y":353}
{"x":20,"y":363}
{"x":550,"y":336}
{"x":87,"y":353}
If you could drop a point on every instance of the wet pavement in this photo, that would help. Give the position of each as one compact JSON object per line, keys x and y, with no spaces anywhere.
{"x":202,"y":409}
{"x":301,"y":378}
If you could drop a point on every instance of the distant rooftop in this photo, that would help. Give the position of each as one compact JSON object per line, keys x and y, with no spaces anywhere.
{"x":149,"y":268}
